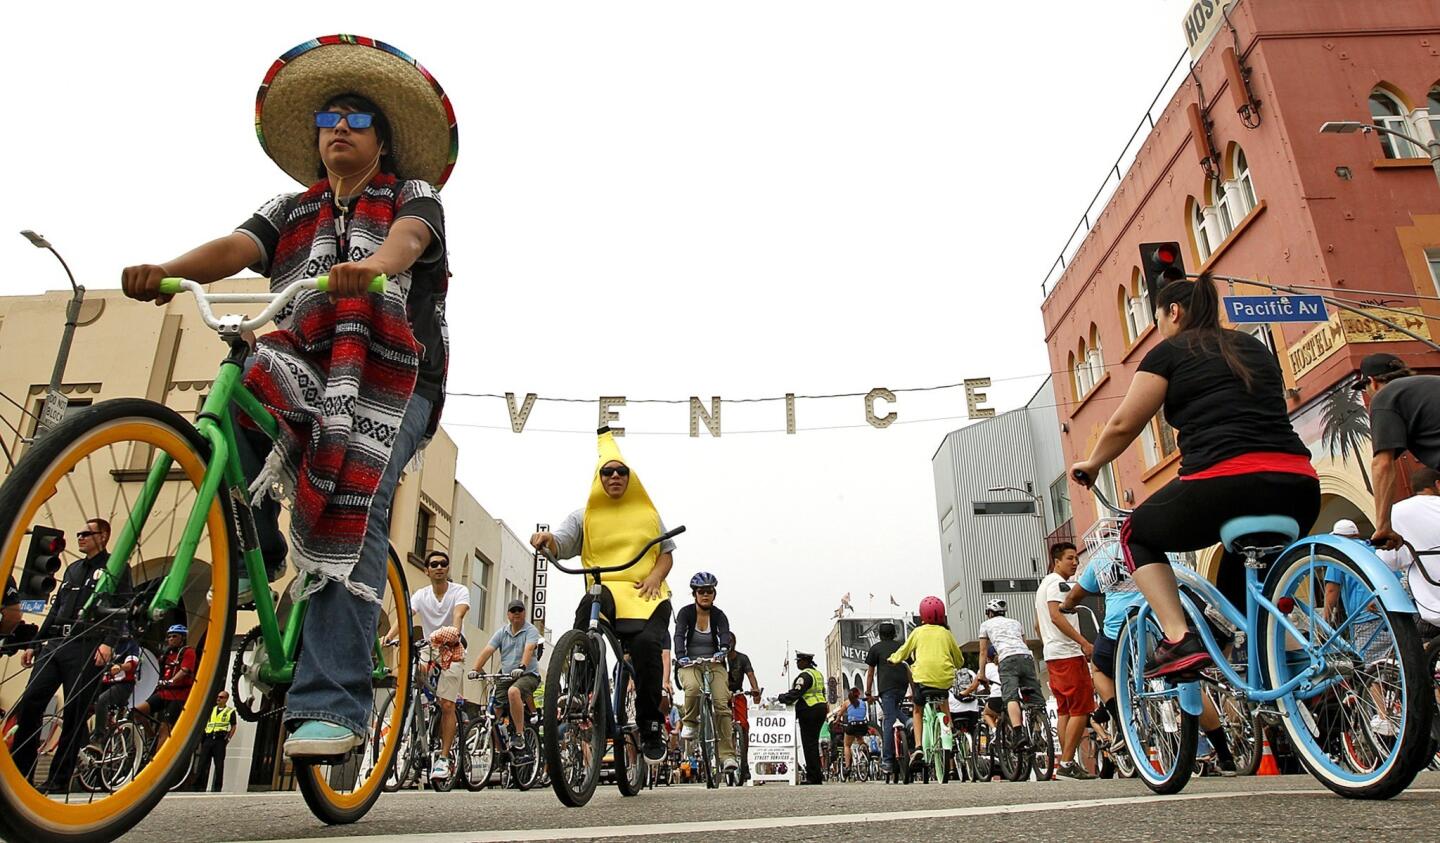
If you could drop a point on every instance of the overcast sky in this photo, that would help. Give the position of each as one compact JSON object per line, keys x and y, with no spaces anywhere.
{"x":656,"y":200}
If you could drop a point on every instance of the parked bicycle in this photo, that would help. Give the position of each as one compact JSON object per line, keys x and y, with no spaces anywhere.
{"x":126,"y":746}
{"x":587,"y":705}
{"x":1294,"y":658}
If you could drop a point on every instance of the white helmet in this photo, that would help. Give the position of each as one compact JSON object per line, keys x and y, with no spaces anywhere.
{"x":997,"y":606}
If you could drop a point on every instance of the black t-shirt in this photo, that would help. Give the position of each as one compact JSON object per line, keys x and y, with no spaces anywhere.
{"x":1215,"y":417}
{"x":888,"y":677}
{"x":1405,"y":415}
{"x":429,"y":282}
{"x":738,"y":665}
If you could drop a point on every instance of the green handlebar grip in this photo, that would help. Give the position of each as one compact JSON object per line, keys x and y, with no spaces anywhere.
{"x":170,"y":286}
{"x":377,"y":284}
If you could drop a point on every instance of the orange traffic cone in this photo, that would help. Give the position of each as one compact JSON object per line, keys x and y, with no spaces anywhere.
{"x":1267,"y":762}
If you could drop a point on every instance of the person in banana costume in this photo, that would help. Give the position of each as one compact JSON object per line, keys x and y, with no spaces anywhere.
{"x":618,"y":519}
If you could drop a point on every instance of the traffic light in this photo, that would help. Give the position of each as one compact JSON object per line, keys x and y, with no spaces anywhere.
{"x":1161,"y":262}
{"x":42,"y":562}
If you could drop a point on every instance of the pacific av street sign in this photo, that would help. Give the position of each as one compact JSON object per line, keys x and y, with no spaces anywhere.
{"x":1253,"y":309}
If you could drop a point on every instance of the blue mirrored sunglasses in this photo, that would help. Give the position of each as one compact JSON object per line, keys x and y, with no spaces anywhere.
{"x":353,"y":119}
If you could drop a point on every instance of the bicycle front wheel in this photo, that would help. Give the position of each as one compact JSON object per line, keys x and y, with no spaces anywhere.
{"x":1373,"y":661}
{"x":1160,"y":735}
{"x":344,"y":791}
{"x":480,"y":751}
{"x":574,"y":718}
{"x":140,"y":467}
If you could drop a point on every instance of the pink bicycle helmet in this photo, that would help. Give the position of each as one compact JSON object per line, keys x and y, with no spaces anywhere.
{"x":932,"y":610}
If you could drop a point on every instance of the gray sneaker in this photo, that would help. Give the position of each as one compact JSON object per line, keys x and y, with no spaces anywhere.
{"x":1072,"y":770}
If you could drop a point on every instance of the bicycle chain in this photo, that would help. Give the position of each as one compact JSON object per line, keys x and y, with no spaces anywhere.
{"x":242,"y":706}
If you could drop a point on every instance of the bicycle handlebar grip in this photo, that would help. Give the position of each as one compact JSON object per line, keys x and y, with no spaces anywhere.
{"x":1082,"y":478}
{"x":377,"y":284}
{"x":171,"y":286}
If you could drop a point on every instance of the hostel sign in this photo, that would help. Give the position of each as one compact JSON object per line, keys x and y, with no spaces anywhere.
{"x":1203,"y":18}
{"x":1315,"y":347}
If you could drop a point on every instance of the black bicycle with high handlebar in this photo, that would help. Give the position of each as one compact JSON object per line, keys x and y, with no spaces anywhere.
{"x":587,"y":705}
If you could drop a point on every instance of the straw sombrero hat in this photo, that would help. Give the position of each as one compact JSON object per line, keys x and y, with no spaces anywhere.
{"x":299,"y":83}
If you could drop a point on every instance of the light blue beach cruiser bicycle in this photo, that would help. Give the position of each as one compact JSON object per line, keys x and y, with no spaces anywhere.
{"x":1353,"y":697}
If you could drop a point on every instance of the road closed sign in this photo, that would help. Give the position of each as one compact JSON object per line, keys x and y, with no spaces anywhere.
{"x":772,"y":746}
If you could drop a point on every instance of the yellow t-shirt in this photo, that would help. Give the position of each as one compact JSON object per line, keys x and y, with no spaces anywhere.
{"x":937,"y":656}
{"x":615,"y":530}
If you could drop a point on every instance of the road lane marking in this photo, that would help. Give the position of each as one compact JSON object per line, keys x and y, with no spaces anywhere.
{"x":766,"y":823}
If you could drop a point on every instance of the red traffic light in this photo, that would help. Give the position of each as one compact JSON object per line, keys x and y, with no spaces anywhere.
{"x":1166,"y":254}
{"x":53,"y":545}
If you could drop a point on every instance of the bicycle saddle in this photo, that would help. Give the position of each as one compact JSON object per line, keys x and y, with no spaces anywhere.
{"x":1253,"y":531}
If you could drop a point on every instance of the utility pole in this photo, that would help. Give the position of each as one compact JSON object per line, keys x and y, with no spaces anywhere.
{"x":55,"y":402}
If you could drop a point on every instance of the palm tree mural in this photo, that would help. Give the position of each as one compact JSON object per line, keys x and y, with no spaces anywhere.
{"x":1346,"y":428}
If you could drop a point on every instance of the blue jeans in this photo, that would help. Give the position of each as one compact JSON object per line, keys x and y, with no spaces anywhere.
{"x":890,"y":708}
{"x":332,"y":677}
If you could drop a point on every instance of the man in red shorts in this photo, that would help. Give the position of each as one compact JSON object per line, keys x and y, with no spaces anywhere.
{"x":1067,"y":656}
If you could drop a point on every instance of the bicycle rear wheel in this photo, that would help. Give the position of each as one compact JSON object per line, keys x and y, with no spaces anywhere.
{"x":902,"y":754}
{"x":981,"y":764}
{"x":525,"y":775}
{"x":574,"y":718}
{"x":1160,"y":735}
{"x":1042,"y":742}
{"x":93,"y":466}
{"x":344,"y":791}
{"x":631,"y":768}
{"x":1376,"y":659}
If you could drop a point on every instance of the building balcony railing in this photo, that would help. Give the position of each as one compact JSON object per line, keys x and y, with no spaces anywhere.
{"x":1113,"y":177}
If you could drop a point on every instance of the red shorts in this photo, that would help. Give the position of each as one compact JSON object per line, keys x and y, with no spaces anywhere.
{"x":740,"y":710}
{"x":1071,"y":685}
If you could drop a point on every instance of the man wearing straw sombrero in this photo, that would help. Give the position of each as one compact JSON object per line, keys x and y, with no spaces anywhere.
{"x":355,"y":379}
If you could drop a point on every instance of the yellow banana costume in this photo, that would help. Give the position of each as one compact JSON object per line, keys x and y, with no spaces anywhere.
{"x":615,"y":529}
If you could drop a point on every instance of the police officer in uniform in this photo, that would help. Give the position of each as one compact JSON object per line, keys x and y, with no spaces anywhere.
{"x":219,"y":729}
{"x":69,"y":651}
{"x":808,"y":697}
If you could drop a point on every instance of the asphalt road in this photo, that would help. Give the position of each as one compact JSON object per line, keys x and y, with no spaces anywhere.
{"x":1282,"y":807}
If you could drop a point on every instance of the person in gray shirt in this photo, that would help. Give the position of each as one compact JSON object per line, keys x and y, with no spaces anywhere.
{"x":1404,"y":416}
{"x":516,"y":643}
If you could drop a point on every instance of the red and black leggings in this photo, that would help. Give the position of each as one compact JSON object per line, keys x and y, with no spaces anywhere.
{"x":1187,"y":515}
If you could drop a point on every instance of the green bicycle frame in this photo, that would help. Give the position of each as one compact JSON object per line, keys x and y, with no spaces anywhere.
{"x":222,"y":468}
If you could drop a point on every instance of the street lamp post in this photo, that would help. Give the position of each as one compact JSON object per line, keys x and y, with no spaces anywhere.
{"x":55,"y":402}
{"x":1039,"y":501}
{"x":1346,"y":127}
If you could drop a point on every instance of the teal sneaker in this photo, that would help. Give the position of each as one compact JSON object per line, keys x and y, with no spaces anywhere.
{"x":316,"y":738}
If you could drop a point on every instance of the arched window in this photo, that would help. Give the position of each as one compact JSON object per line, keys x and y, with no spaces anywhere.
{"x":1199,"y":231}
{"x":1074,"y":377}
{"x":1127,"y":316}
{"x":1242,"y":192}
{"x":1433,"y":103}
{"x":1136,"y":313}
{"x":1389,"y":113}
{"x":1095,"y":357}
{"x":1083,"y":381}
{"x":1140,"y":292}
{"x":1221,"y":206}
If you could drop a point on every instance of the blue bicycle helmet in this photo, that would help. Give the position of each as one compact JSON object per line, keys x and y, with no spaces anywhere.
{"x":704,"y":579}
{"x":177,"y":629}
